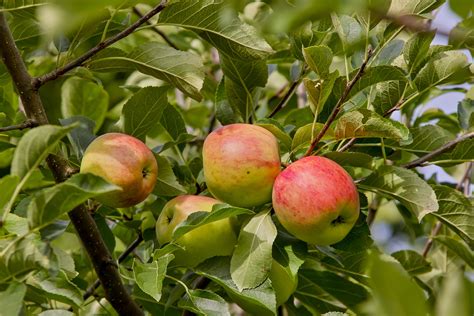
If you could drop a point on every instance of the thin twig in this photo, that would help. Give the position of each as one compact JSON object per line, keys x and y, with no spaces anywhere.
{"x":91,"y":289}
{"x":26,"y":124}
{"x":156,"y":29}
{"x":39,"y":81}
{"x":437,"y":227}
{"x":339,"y":104}
{"x":284,"y":100}
{"x":420,"y":161}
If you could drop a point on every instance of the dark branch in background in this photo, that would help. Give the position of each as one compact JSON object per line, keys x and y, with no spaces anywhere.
{"x":123,"y":256}
{"x":156,"y":29}
{"x":412,"y":23}
{"x":465,"y":181}
{"x":339,"y":104}
{"x":285,"y":98}
{"x":420,"y":161}
{"x":39,"y":81}
{"x":26,"y":124}
{"x":86,"y":228}
{"x":372,"y":210}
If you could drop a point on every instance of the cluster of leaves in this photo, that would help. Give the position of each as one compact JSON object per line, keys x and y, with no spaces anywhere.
{"x":240,"y":61}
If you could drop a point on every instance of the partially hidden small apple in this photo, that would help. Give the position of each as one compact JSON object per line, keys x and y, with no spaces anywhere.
{"x":125,"y":161}
{"x":316,"y":200}
{"x":213,"y":239}
{"x":241,"y":162}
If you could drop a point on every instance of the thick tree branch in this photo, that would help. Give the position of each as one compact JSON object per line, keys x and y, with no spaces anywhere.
{"x":26,"y":124}
{"x":339,"y":104}
{"x":420,"y":161}
{"x":39,"y":81}
{"x":90,"y":290}
{"x":104,"y":265}
{"x":155,"y":29}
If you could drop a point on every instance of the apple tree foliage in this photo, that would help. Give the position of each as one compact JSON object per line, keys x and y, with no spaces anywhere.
{"x":288,"y":66}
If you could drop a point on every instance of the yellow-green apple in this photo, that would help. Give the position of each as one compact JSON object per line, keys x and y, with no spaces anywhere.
{"x":241,"y":162}
{"x":124,"y":161}
{"x":316,"y":200}
{"x":213,"y":239}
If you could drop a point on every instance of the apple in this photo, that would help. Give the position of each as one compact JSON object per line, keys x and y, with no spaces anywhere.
{"x":125,"y":161}
{"x":214,"y":239}
{"x":316,"y":200}
{"x":241,"y":162}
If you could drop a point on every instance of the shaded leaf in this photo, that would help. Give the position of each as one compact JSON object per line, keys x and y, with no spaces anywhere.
{"x":319,"y":59}
{"x":252,"y":257}
{"x":166,"y":184}
{"x":225,"y":112}
{"x":455,"y":211}
{"x":149,"y":276}
{"x":228,"y":34}
{"x":405,"y":186}
{"x":184,"y":70}
{"x":395,"y":293}
{"x":82,"y":97}
{"x":50,"y":203}
{"x":204,"y":302}
{"x":466,"y":113}
{"x":11,"y":299}
{"x":364,"y":123}
{"x":143,"y":110}
{"x":459,"y":248}
{"x":196,"y":219}
{"x":412,"y":261}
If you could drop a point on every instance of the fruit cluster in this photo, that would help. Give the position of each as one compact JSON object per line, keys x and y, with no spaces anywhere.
{"x":314,"y":198}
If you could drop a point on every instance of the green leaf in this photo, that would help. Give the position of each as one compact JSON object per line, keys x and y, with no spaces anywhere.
{"x":371,"y":76}
{"x":387,"y":94}
{"x":149,"y":276}
{"x":219,"y":211}
{"x":227,"y":33}
{"x":406,"y":7}
{"x":81,"y":136}
{"x":261,"y":298}
{"x":463,"y":151}
{"x":405,"y":186}
{"x":82,"y":97}
{"x":225,"y":112}
{"x":252,"y":257}
{"x":365,"y":124}
{"x":466,"y":113}
{"x":319,"y":91}
{"x":56,"y":312}
{"x":462,"y":35}
{"x":57,"y":287}
{"x":318,"y":58}
{"x":20,"y":5}
{"x":305,"y":134}
{"x":416,"y":49}
{"x":143,"y":110}
{"x":166,"y":184}
{"x":184,"y":70}
{"x":427,"y":138}
{"x":394,"y":292}
{"x":11,"y":299}
{"x":173,"y":122}
{"x":353,"y":159}
{"x":277,"y":131}
{"x":49,"y":204}
{"x":34,"y":146}
{"x":15,"y":224}
{"x":443,"y":68}
{"x":348,"y":293}
{"x":204,"y":302}
{"x":247,"y":73}
{"x":455,"y":296}
{"x":349,"y":31}
{"x":7,"y":186}
{"x":412,"y":261}
{"x":459,"y":248}
{"x":22,"y":257}
{"x":455,"y":211}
